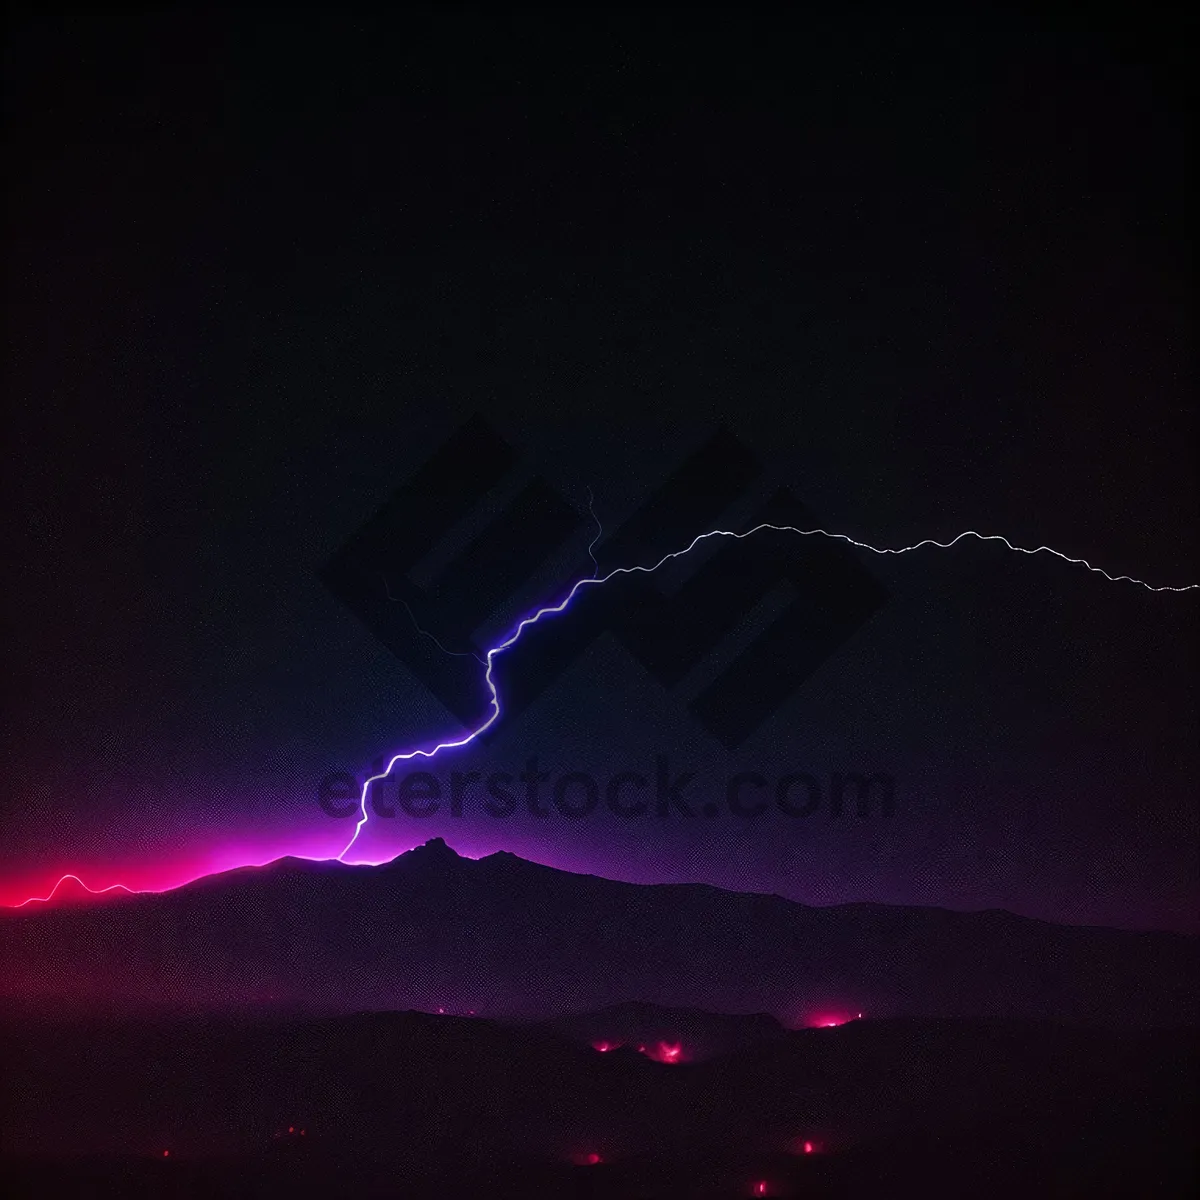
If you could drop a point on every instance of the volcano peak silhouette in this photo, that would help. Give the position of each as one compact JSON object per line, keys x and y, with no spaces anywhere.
{"x":502,"y":935}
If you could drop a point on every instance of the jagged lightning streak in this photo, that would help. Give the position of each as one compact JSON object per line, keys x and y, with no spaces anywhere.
{"x":599,"y":534}
{"x":597,"y":579}
{"x":425,"y":632}
{"x":114,"y":887}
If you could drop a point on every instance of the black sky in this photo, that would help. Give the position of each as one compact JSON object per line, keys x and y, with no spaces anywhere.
{"x":935,"y":274}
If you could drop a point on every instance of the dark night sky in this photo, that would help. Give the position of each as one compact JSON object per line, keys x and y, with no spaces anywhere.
{"x":935,"y":276}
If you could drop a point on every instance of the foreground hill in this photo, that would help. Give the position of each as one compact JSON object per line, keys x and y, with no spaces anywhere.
{"x":384,"y":1104}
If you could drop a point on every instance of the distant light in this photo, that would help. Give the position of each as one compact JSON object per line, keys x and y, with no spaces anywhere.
{"x":664,"y":1052}
{"x":808,"y":1147}
{"x":166,"y":1154}
{"x":592,"y":1159}
{"x":760,"y":1189}
{"x":291,"y":1129}
{"x":828,"y":1020}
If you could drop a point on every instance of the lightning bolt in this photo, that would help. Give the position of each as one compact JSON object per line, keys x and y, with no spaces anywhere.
{"x":597,"y":580}
{"x":425,"y":632}
{"x":115,"y":887}
{"x":599,"y":534}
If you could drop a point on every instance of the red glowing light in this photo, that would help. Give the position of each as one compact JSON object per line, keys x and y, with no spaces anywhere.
{"x":760,"y":1189}
{"x":586,"y":1160}
{"x":291,"y":1129}
{"x":664,"y":1052}
{"x":805,"y":1146}
{"x":829,"y":1020}
{"x":605,"y":1047}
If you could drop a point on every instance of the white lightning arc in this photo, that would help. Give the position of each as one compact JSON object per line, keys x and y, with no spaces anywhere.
{"x":597,"y":579}
{"x":599,"y":534}
{"x":113,"y":887}
{"x":425,"y":632}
